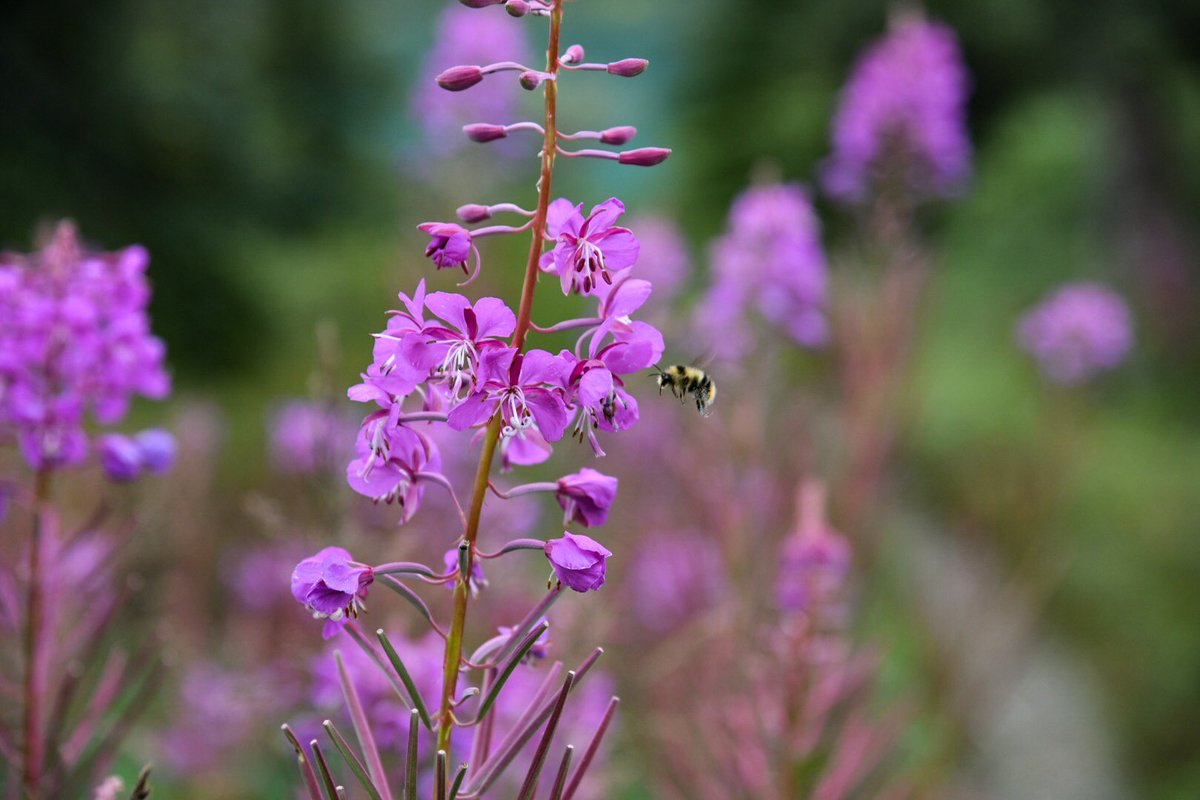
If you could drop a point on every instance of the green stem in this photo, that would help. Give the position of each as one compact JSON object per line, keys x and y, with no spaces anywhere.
{"x":32,"y":707}
{"x":454,"y":641}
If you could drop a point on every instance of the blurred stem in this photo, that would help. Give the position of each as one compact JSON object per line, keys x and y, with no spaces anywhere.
{"x":32,"y":744}
{"x":454,"y":641}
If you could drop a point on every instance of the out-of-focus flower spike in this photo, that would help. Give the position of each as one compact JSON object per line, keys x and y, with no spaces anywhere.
{"x":331,"y":790}
{"x":362,"y":728}
{"x":352,"y":761}
{"x":498,"y":684}
{"x":560,"y":779}
{"x":306,"y":771}
{"x":573,"y":55}
{"x":592,"y":748}
{"x":460,"y":78}
{"x":644,"y":156}
{"x":410,"y":760}
{"x":539,"y":756}
{"x":627,"y":67}
{"x":414,"y":600}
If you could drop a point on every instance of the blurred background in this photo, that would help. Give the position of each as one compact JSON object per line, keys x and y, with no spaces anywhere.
{"x":275,"y":157}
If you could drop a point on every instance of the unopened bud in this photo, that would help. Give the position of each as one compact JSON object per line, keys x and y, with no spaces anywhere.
{"x":484,"y":132}
{"x":628,"y":67}
{"x":531,"y":80}
{"x":618,"y":135}
{"x":644,"y":156}
{"x":473,"y":212}
{"x":516,"y":8}
{"x":456,"y":79}
{"x":480,"y":3}
{"x":574,"y":54}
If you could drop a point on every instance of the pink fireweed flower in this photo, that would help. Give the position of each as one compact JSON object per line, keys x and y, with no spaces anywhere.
{"x":391,"y":458}
{"x":586,"y":496}
{"x":453,"y":349}
{"x":579,"y":562}
{"x":332,"y":585}
{"x":524,"y":387}
{"x":587,"y":248}
{"x":903,"y":116}
{"x":390,"y":377}
{"x":449,"y":245}
{"x":1081,"y":330}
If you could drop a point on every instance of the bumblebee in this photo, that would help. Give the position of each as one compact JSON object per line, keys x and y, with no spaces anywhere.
{"x":683,"y":380}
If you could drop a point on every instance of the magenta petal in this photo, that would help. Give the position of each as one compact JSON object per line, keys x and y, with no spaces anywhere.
{"x":620,"y":248}
{"x":450,"y":307}
{"x":494,"y":318}
{"x":562,"y":216}
{"x":605,"y":214}
{"x":539,"y":366}
{"x":595,"y":386}
{"x":549,"y":411}
{"x":474,"y":410}
{"x":627,"y":297}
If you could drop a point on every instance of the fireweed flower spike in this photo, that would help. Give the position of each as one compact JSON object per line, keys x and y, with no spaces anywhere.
{"x":450,"y":365}
{"x":1081,"y":330}
{"x":902,"y":116}
{"x":579,"y":562}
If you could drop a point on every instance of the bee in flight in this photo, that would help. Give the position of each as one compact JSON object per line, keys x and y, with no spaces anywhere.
{"x":683,"y":380}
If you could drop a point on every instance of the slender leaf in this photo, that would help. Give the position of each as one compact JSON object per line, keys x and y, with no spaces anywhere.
{"x":418,"y":702}
{"x":410,"y":763}
{"x":592,"y":747}
{"x":306,"y":770}
{"x":352,"y":761}
{"x":539,"y":755}
{"x":323,"y":769}
{"x":560,"y":779}
{"x":497,"y":685}
{"x":362,"y":728}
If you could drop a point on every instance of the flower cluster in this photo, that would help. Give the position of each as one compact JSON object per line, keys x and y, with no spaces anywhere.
{"x":1081,"y":330}
{"x":74,"y":338}
{"x":448,"y":365}
{"x":901,"y":117}
{"x":769,"y":258}
{"x":306,"y":437}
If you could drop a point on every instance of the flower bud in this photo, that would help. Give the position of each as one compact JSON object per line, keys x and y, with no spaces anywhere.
{"x":628,"y":67}
{"x":644,"y":156}
{"x":456,"y":79}
{"x":473,"y":212}
{"x":618,"y":135}
{"x":531,"y":80}
{"x":483,"y":132}
{"x":120,"y":457}
{"x":578,"y":561}
{"x":157,"y":448}
{"x":480,"y":3}
{"x":516,"y":8}
{"x":574,"y":54}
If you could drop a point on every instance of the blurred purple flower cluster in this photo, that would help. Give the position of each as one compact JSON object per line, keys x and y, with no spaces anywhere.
{"x":1078,"y":332}
{"x":770,"y":260}
{"x":74,"y":337}
{"x":902,"y":117}
{"x":307,"y":437}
